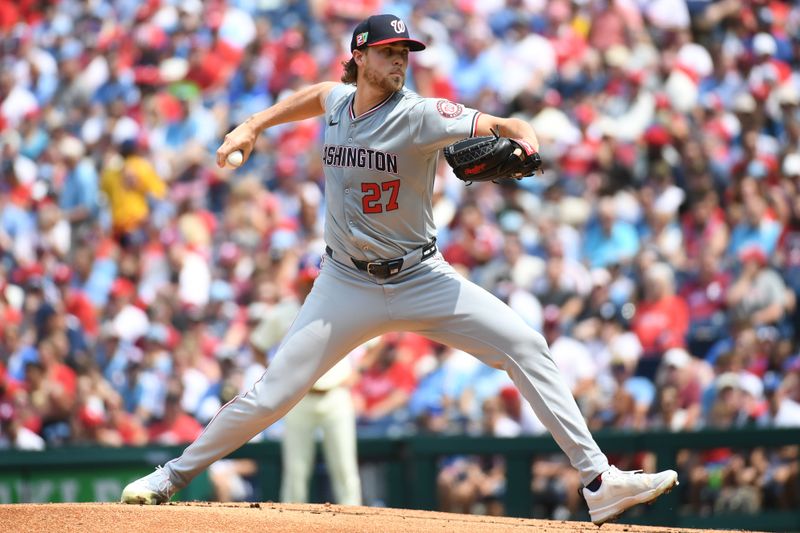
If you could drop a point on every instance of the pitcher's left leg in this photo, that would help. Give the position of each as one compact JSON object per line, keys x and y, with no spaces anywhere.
{"x":454,"y":311}
{"x":459,"y":313}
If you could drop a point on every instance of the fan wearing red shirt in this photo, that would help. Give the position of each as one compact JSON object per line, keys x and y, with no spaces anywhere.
{"x":52,"y":387}
{"x":176,"y":427}
{"x":76,"y":301}
{"x":706,"y":294}
{"x":475,"y":241}
{"x":384,"y":387}
{"x":704,"y":226}
{"x":662,"y":318}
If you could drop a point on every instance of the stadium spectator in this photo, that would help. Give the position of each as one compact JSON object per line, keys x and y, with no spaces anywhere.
{"x":382,"y":392}
{"x":175,"y":426}
{"x":560,"y":285}
{"x":130,"y":182}
{"x":572,"y":357}
{"x":52,"y":387}
{"x":475,"y":240}
{"x":689,"y":377}
{"x":608,"y":239}
{"x":441,"y":382}
{"x":758,"y":296}
{"x":662,"y":317}
{"x":13,"y":434}
{"x":78,"y":196}
{"x":706,"y":294}
{"x":757,"y":227}
{"x":467,"y":481}
{"x":704,"y":228}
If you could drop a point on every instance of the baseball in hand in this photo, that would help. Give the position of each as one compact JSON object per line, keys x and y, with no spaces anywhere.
{"x":236,"y":158}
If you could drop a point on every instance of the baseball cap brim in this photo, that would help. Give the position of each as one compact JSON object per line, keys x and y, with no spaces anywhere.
{"x":414,"y":46}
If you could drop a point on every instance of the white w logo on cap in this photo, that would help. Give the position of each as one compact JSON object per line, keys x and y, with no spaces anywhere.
{"x":398,"y":25}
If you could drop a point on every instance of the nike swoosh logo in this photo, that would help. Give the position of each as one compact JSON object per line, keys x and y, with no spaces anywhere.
{"x":332,"y":123}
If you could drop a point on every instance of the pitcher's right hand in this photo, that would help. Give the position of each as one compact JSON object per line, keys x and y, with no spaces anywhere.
{"x":243,"y":138}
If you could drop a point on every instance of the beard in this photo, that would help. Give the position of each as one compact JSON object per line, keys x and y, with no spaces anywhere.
{"x":387,"y":83}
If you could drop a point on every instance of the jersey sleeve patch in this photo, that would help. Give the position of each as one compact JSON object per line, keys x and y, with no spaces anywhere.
{"x":448,"y":109}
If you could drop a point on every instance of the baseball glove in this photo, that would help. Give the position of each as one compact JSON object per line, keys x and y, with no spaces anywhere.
{"x":491,"y":158}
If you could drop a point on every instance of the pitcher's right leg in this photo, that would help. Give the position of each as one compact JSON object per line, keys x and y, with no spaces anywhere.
{"x":320,"y":335}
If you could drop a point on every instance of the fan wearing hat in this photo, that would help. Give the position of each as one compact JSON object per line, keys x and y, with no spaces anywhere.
{"x":382,"y":144}
{"x":13,"y":434}
{"x":758,"y":296}
{"x":79,"y":199}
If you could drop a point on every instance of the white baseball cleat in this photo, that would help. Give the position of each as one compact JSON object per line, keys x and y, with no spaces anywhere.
{"x":152,"y":489}
{"x":620,"y":490}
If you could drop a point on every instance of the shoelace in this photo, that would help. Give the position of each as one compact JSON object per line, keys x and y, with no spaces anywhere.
{"x":614,"y":471}
{"x":165,"y":485}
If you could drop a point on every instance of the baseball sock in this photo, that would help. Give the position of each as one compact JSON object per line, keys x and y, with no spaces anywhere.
{"x":595,"y":484}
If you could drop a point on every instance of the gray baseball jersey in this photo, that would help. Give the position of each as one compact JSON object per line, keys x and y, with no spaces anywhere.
{"x":379,"y":170}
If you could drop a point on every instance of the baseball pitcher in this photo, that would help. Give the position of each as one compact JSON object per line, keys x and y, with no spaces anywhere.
{"x":383,"y":272}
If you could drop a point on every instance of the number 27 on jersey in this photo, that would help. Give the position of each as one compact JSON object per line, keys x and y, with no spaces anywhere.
{"x":374,"y":199}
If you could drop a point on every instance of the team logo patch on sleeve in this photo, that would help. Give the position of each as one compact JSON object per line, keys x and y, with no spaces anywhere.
{"x":448,"y":109}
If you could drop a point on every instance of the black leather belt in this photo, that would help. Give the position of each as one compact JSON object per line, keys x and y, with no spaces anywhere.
{"x":388,"y":267}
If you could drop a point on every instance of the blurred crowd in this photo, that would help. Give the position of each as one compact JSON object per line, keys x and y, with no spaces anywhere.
{"x":659,"y":253}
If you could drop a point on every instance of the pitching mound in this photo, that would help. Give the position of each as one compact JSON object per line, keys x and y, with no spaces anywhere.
{"x":215,"y":517}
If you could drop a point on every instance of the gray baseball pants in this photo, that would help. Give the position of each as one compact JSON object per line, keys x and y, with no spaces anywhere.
{"x":347,"y":307}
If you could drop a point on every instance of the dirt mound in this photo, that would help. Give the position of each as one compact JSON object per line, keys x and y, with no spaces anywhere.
{"x":201,"y":517}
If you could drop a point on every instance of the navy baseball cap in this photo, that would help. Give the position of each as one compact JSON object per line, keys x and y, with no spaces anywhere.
{"x":383,"y":29}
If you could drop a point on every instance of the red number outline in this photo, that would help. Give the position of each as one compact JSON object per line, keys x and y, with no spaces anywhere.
{"x":394,"y":187}
{"x":372,"y":197}
{"x":373,"y":192}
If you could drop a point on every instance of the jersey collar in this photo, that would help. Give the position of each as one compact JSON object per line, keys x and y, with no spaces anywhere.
{"x":369,"y":111}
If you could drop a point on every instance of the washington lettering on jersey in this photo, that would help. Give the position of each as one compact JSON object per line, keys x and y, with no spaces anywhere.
{"x":359,"y":157}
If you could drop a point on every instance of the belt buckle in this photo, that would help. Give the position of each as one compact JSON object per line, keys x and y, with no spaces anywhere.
{"x":377,"y":269}
{"x":384,"y":269}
